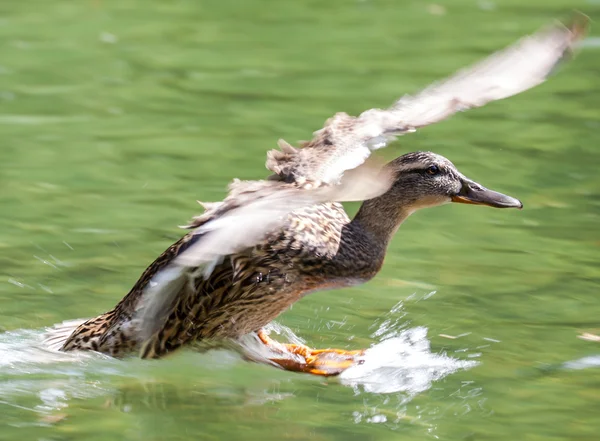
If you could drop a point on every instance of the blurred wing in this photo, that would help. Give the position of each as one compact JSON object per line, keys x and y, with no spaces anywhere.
{"x":345,"y":142}
{"x":513,"y":70}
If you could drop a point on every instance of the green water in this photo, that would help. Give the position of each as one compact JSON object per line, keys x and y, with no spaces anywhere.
{"x":115,"y":116}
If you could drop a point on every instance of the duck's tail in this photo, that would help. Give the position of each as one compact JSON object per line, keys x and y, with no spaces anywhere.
{"x":57,"y":335}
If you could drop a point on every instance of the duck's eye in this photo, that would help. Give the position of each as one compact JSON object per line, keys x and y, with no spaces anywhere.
{"x":433,"y":170}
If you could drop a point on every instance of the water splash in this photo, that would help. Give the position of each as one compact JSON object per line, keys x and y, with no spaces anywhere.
{"x":404,"y":363}
{"x":402,"y":360}
{"x":24,"y":350}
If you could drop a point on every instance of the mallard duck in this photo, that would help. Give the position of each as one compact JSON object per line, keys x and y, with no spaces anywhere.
{"x":271,"y":242}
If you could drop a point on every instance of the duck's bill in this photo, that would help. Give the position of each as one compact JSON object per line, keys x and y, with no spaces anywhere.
{"x":472,"y":193}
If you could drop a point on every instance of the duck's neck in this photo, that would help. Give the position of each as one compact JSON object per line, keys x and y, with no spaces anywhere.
{"x":381,"y":217}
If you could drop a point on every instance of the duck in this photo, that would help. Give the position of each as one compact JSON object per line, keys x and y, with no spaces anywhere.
{"x":271,"y":242}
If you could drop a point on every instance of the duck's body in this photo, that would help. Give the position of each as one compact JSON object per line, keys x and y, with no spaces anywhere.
{"x":318,"y":248}
{"x":245,"y":292}
{"x":269,"y":243}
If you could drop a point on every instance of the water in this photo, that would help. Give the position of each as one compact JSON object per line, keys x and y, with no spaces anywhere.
{"x":116,"y":116}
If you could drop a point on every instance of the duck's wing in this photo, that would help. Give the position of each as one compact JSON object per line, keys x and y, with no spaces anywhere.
{"x":332,"y":166}
{"x":345,"y":141}
{"x":252,"y":209}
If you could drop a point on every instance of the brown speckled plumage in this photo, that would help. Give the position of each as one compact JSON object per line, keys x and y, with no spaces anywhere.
{"x":251,"y":256}
{"x":318,"y":249}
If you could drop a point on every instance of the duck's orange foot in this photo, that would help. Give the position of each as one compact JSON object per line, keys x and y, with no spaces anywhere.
{"x":326,"y":362}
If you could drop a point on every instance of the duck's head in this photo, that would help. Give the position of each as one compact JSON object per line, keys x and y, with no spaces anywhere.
{"x":425,"y":179}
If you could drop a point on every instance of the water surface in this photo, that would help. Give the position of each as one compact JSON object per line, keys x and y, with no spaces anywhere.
{"x":115,"y":116}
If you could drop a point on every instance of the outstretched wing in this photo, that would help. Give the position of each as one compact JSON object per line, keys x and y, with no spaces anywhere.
{"x":345,"y":141}
{"x":319,"y":172}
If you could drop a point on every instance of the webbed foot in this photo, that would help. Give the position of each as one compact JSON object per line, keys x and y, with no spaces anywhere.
{"x":325,"y":362}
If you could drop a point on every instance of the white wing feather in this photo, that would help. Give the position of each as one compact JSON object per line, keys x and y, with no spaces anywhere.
{"x":346,"y":142}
